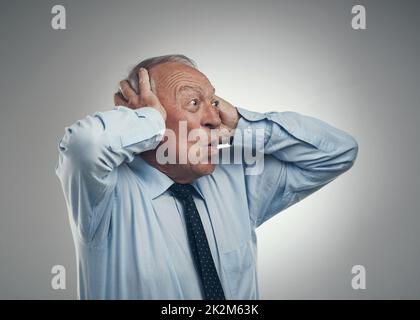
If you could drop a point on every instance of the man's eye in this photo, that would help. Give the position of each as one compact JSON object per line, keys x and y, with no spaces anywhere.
{"x":216,"y":103}
{"x":194,"y":102}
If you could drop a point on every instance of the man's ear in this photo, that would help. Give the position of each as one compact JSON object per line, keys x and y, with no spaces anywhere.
{"x":119,"y":100}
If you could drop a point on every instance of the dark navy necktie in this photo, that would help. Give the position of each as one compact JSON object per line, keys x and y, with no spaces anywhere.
{"x":203,"y":260}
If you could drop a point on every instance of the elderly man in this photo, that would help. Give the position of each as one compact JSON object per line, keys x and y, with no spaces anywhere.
{"x":146,"y":229}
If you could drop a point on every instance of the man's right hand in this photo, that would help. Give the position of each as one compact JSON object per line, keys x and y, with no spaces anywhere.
{"x":129,"y":98}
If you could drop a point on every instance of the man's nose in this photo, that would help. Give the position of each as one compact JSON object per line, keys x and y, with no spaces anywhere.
{"x":211,"y":118}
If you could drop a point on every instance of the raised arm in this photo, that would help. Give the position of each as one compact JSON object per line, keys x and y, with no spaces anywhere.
{"x":301,"y":155}
{"x":92,"y":148}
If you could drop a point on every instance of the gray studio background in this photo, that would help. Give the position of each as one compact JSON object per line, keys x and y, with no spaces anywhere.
{"x":263,"y":55}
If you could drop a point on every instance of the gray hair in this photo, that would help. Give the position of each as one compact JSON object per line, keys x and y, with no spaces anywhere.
{"x":147,"y":64}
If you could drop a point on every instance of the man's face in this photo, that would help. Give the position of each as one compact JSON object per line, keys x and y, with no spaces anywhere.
{"x":187,"y":95}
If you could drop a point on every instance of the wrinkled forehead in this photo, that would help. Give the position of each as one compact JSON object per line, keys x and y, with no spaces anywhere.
{"x":177,"y":78}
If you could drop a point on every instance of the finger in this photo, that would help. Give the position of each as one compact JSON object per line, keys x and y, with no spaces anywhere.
{"x":223,"y":104}
{"x":225,"y":130}
{"x":225,"y":134}
{"x":127,"y":91}
{"x":146,"y":93}
{"x":119,"y":100}
{"x":144,"y":82}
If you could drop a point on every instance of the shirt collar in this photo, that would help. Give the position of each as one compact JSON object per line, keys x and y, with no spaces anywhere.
{"x":156,"y":181}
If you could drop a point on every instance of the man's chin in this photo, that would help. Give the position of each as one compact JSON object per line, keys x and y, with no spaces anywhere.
{"x":202,"y":169}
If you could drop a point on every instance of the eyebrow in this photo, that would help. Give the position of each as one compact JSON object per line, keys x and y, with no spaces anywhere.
{"x":194,"y":88}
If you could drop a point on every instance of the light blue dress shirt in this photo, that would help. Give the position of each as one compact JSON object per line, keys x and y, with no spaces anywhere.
{"x":129,"y":231}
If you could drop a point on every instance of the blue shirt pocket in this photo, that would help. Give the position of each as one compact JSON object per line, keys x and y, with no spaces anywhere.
{"x":239,"y":269}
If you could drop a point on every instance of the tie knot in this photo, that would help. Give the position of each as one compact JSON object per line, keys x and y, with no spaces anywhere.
{"x":182,"y":191}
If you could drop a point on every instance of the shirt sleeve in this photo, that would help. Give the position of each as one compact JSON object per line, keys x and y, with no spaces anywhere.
{"x":299,"y":155}
{"x":91,"y":150}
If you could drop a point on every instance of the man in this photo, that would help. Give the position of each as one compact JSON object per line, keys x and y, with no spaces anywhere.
{"x":146,"y":229}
